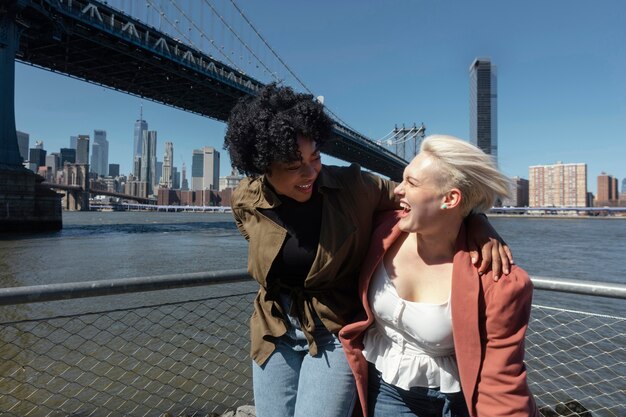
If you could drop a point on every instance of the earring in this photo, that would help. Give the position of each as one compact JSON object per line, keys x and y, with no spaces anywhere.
{"x":444,"y":206}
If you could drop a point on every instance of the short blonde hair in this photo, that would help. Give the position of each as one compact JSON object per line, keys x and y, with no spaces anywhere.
{"x":464,"y":166}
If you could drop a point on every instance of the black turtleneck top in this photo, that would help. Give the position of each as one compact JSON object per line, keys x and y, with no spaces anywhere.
{"x":303,"y":222}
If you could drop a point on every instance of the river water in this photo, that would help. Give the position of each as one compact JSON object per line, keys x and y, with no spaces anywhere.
{"x":102,"y":245}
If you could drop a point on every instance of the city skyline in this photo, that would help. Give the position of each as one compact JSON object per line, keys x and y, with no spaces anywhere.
{"x":560,"y":92}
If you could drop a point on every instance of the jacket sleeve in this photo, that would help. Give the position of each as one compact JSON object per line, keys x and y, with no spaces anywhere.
{"x":380,"y":192}
{"x":238,"y":213}
{"x":502,"y":387}
{"x":239,"y":222}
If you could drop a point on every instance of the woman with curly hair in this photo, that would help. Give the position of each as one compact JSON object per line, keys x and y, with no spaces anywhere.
{"x":308,"y":227}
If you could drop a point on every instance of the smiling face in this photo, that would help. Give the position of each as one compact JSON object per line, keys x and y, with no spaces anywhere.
{"x":419,"y":196}
{"x":295,"y":179}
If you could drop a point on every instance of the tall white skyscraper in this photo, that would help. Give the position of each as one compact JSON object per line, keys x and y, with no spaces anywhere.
{"x":484,"y":106}
{"x":167,"y":176}
{"x":141,"y":126}
{"x":148,"y":160}
{"x":82,"y":149}
{"x":100,"y":153}
{"x":205,"y":169}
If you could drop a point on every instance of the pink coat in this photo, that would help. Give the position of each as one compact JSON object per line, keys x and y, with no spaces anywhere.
{"x":489,"y":321}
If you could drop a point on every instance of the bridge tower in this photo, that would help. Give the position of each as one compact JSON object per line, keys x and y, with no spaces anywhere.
{"x":77,"y":175}
{"x":25,"y":205}
{"x":412,"y":136}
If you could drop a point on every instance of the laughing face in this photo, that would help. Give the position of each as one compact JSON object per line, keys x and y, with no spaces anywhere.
{"x":295,"y":179}
{"x":419,"y":196}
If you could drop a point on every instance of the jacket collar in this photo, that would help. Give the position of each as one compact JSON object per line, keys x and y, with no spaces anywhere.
{"x":326,"y":180}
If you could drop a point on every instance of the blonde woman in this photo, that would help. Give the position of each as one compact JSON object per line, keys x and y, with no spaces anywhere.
{"x":435,"y":338}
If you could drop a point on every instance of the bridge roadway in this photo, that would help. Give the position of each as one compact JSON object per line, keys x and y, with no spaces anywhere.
{"x":89,"y":40}
{"x":79,"y":190}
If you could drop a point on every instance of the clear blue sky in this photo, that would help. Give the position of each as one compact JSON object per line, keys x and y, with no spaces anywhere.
{"x":561,"y":79}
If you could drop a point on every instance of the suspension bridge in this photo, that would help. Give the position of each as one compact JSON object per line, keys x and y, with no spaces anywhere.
{"x":183,"y":54}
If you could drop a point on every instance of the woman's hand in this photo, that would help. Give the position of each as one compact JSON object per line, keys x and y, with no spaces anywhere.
{"x":487,"y":247}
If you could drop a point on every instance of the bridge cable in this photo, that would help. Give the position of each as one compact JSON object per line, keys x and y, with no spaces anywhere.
{"x":202,"y":34}
{"x":381,"y":140}
{"x":293,"y":74}
{"x":239,"y":38}
{"x":401,"y":138}
{"x":190,"y":41}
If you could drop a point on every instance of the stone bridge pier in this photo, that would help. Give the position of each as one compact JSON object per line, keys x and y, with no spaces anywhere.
{"x":25,"y":204}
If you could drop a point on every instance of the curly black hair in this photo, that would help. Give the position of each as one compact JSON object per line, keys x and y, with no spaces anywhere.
{"x":264,"y":129}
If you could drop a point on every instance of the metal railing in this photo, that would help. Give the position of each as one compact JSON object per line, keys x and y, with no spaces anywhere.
{"x":191,"y":357}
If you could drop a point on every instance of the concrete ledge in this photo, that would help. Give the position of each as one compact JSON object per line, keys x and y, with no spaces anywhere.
{"x":30,"y":226}
{"x":26,"y":205}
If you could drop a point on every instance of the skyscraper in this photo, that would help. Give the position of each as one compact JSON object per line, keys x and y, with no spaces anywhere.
{"x":114,"y":170}
{"x":82,"y":149}
{"x":607,"y":190}
{"x":100,"y":153}
{"x":175,"y":178}
{"x":184,"y":185}
{"x":484,"y":106}
{"x":53,"y":161}
{"x":558,"y":185}
{"x":519,"y":193}
{"x":141,"y":126}
{"x":205,"y":169}
{"x":23,"y":142}
{"x":167,"y":177}
{"x":159,"y":173}
{"x":137,"y":168}
{"x":67,"y":155}
{"x":73,"y":141}
{"x":37,"y":157}
{"x":148,"y":160}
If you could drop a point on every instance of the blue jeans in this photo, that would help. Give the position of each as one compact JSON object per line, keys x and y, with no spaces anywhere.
{"x":386,"y":400}
{"x":292,"y":383}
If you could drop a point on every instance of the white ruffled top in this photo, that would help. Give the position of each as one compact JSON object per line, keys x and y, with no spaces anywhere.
{"x":410,"y":343}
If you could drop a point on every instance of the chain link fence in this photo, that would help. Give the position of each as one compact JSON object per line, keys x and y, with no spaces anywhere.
{"x":576,"y":361}
{"x":184,"y":358}
{"x":191,"y":358}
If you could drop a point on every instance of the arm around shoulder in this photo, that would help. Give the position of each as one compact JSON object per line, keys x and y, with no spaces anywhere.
{"x":381,"y":191}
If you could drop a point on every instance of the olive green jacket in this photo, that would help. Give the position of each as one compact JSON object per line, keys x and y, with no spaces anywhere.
{"x":350,"y":197}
